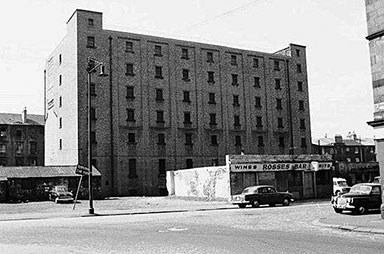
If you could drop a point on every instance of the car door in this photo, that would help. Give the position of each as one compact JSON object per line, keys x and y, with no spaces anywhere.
{"x":374,"y":198}
{"x":274,"y":195}
{"x":263,"y":195}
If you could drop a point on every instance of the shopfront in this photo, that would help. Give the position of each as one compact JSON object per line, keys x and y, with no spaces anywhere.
{"x":306,"y":176}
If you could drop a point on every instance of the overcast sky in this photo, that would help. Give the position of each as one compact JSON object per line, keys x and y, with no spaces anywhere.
{"x":334,"y":32}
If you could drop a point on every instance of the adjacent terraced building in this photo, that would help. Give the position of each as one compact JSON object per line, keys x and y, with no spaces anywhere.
{"x":169,"y":104}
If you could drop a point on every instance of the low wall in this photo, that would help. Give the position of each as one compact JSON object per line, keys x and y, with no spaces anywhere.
{"x":206,"y":182}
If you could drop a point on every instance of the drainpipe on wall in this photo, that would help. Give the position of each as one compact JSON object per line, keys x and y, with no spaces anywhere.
{"x":113,"y":182}
{"x":291,"y":150}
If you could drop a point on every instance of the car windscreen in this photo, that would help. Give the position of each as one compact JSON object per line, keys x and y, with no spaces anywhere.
{"x":342,"y":183}
{"x":61,"y":188}
{"x":361,"y":189}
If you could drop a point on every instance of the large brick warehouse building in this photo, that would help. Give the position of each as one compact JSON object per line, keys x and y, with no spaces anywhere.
{"x":169,"y":104}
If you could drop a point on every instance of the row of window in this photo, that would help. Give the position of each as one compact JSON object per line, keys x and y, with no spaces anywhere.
{"x":19,"y":148}
{"x":211,"y":98}
{"x":18,"y":134}
{"x":211,"y":77}
{"x":189,"y":140}
{"x":185,"y":54}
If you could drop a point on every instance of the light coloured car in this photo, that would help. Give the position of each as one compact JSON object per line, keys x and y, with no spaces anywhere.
{"x":60,"y":193}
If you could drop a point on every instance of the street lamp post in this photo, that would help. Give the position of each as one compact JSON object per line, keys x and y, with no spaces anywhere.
{"x":92,"y":66}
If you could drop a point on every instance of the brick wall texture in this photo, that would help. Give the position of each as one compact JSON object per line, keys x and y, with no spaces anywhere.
{"x":136,"y":103}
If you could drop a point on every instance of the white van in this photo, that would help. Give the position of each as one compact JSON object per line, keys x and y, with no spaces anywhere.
{"x":340,"y":186}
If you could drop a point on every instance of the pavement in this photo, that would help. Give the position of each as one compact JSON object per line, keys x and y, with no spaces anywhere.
{"x":368,"y":223}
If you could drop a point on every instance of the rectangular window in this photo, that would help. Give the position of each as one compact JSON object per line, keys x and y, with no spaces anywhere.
{"x":278,"y":84}
{"x":237,"y":140}
{"x":189,"y":163}
{"x":161,"y":139}
{"x":3,"y":132}
{"x":129,"y":70}
{"x":298,"y":68}
{"x":214,"y":140}
{"x":186,"y":75}
{"x":158,"y":50}
{"x":233,"y":60}
{"x":60,"y":102}
{"x":303,"y":142}
{"x":256,"y":62}
{"x":90,"y":42}
{"x":236,"y":100}
{"x":234,"y":80}
{"x":130,"y":92}
{"x":159,"y":94}
{"x":93,"y":89}
{"x":33,"y":148}
{"x":259,"y":121}
{"x":236,"y":122}
{"x":299,"y":86}
{"x":302,"y":124}
{"x":279,"y":104}
{"x":91,"y":22}
{"x":162,"y":169}
{"x":131,"y":138}
{"x":209,"y":57}
{"x":60,"y":144}
{"x":211,"y":78}
{"x":60,"y":79}
{"x":188,"y":139}
{"x":93,"y":113}
{"x":159,"y":116}
{"x":256,"y":82}
{"x":212,"y":119}
{"x":260,"y":141}
{"x":132,"y":168}
{"x":258,"y":102}
{"x":187,"y":118}
{"x":131,"y":115}
{"x":60,"y":123}
{"x":281,"y":142}
{"x":301,"y":105}
{"x":19,"y":147}
{"x":186,"y":96}
{"x":184,"y":53}
{"x":129,"y":46}
{"x":158,"y":72}
{"x":60,"y":59}
{"x":3,"y":148}
{"x":298,"y":52}
{"x":276,"y":65}
{"x":18,"y":134}
{"x":211,"y":98}
{"x":280,"y":122}
{"x":93,"y":137}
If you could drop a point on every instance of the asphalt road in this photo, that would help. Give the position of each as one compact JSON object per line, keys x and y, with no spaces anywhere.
{"x":263,"y":230}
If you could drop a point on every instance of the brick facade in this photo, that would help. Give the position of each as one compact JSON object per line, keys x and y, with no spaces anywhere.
{"x":204,"y":101}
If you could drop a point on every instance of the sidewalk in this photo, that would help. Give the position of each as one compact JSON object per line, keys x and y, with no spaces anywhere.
{"x":368,"y":223}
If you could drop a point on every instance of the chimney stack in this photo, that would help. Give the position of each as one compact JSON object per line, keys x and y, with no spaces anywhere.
{"x":24,"y":115}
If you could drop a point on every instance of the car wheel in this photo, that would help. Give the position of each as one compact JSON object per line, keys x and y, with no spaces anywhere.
{"x":286,"y":202}
{"x":255,"y":203}
{"x":337,"y":210}
{"x":242,"y":205}
{"x":361,"y":210}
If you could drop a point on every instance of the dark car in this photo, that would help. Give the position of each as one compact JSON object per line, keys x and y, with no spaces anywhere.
{"x":60,"y":193}
{"x":361,"y":198}
{"x":262,"y":195}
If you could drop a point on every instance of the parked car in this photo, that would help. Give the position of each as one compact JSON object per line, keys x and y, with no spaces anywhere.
{"x":361,"y":198}
{"x":60,"y":193}
{"x":340,"y":186}
{"x":260,"y":195}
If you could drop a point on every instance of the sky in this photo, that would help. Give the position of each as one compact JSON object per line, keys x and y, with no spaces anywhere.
{"x":339,"y":77}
